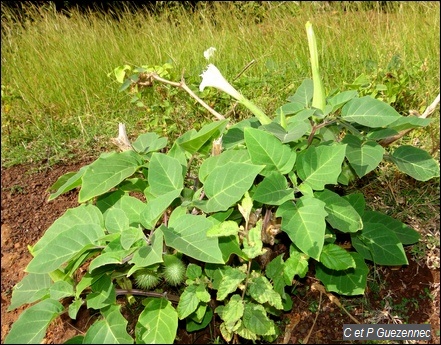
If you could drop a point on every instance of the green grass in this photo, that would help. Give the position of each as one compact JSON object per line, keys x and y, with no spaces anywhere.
{"x":58,"y":101}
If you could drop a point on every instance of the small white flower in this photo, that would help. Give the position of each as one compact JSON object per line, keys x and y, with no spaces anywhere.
{"x":209,"y":52}
{"x":212,"y":77}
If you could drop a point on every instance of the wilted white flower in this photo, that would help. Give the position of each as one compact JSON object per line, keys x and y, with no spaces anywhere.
{"x":209,"y":52}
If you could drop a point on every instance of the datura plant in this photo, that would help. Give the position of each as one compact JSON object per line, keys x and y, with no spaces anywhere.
{"x":226,"y":237}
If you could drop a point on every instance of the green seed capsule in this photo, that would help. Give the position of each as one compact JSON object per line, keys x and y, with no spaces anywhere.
{"x":174,"y":270}
{"x":146,"y":279}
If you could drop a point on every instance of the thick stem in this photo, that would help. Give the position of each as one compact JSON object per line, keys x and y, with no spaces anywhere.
{"x":172,"y":298}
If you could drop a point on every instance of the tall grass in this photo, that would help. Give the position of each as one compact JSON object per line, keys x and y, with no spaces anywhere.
{"x":57,"y":97}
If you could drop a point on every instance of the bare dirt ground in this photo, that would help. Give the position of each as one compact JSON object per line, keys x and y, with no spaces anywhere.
{"x":408,"y":294}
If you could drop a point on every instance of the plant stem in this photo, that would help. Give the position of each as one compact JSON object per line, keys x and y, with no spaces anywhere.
{"x":184,"y":86}
{"x":172,"y":298}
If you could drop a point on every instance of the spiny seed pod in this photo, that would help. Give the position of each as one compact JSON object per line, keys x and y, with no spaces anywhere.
{"x":174,"y":270}
{"x":146,"y":279}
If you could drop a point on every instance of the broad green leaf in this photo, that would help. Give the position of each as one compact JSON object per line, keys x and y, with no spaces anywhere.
{"x":120,"y":72}
{"x":363,"y":156}
{"x":193,"y":271}
{"x":202,"y":293}
{"x":379,"y":244}
{"x":107,"y":172}
{"x":243,"y":332}
{"x":189,"y":236}
{"x":66,"y":183}
{"x":207,"y":133}
{"x":156,"y":207}
{"x":111,"y":329}
{"x":349,"y":282}
{"x":226,"y":157}
{"x":115,"y":220}
{"x":226,"y":228}
{"x":302,"y":116}
{"x":226,"y":332}
{"x":130,"y":236}
{"x":188,"y":302}
{"x":235,"y":136}
{"x":199,"y":313}
{"x":290,"y":108}
{"x":61,"y":289}
{"x":158,"y":322}
{"x":381,"y":133}
{"x":230,"y":245}
{"x":74,"y":308}
{"x":30,"y":289}
{"x":220,"y":217}
{"x":341,"y":215}
{"x":81,"y":215}
{"x":273,"y":190}
{"x":135,"y":184}
{"x":165,"y":174}
{"x":265,"y":149}
{"x":256,"y":320}
{"x":30,"y":328}
{"x":336,"y":258}
{"x":370,"y":112}
{"x":64,"y":247}
{"x":113,"y":253}
{"x":231,"y":278}
{"x":103,"y":293}
{"x":341,"y":98}
{"x":177,"y":212}
{"x":149,"y":254}
{"x":87,"y":280}
{"x":405,"y":233}
{"x":356,"y":200}
{"x":318,"y":166}
{"x":275,"y":271}
{"x":304,"y":93}
{"x":347,"y":174}
{"x":196,"y":325}
{"x":252,"y":244}
{"x":227,"y":184}
{"x":304,"y":222}
{"x":261,"y":290}
{"x":407,"y":122}
{"x":178,"y":153}
{"x":295,"y":130}
{"x":296,"y":264}
{"x":149,"y":142}
{"x":132,"y":207}
{"x":109,"y":199}
{"x":233,"y":310}
{"x":415,"y":162}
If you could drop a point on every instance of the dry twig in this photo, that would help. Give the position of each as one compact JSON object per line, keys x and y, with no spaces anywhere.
{"x":430,"y":109}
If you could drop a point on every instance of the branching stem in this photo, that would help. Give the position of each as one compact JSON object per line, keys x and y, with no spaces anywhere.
{"x":184,"y":86}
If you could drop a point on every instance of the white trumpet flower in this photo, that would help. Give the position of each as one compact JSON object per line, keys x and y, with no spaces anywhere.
{"x":212,"y":77}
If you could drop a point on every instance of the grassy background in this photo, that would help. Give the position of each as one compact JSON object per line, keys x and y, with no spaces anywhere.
{"x":58,"y":100}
